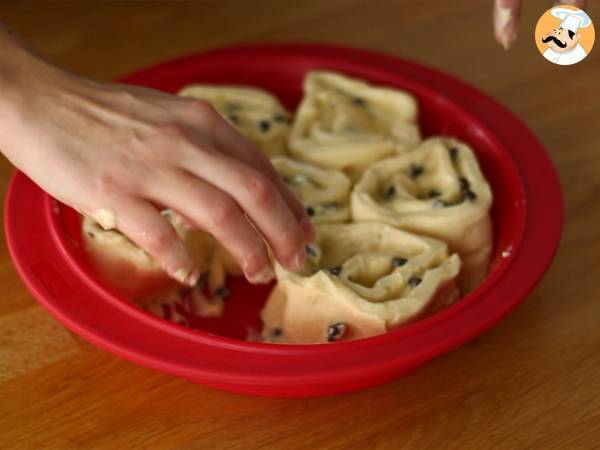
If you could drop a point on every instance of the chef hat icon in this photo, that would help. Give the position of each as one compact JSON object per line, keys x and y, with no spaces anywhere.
{"x":571,"y":19}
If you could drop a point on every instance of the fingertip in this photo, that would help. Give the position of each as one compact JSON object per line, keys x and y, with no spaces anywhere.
{"x":264,"y":276}
{"x":298,"y":260}
{"x":189,"y":277}
{"x":509,"y":38}
{"x":192,"y":279}
{"x":505,"y":18}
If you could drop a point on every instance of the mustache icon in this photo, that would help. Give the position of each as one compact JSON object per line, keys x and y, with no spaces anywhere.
{"x":556,"y":41}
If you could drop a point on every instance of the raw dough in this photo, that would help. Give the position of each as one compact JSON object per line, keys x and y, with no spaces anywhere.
{"x":133,"y":272}
{"x":436,"y":190}
{"x":325,"y":193}
{"x":362,"y":279}
{"x":345,"y":123}
{"x":106,"y":218}
{"x":255,"y":113}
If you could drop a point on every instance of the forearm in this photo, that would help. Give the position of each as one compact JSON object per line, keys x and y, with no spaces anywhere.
{"x":17,"y":58}
{"x":22,"y":66}
{"x":25,"y":77}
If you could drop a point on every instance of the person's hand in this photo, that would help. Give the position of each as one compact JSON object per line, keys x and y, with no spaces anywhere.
{"x":506,"y":15}
{"x":116,"y":152}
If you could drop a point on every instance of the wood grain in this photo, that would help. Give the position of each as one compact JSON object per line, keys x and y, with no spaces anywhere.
{"x":531,"y":382}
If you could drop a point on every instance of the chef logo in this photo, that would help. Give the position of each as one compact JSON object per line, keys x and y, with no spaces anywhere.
{"x":564,"y":35}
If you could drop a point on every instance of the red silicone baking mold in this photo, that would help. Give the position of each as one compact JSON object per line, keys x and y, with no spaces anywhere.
{"x":44,"y":239}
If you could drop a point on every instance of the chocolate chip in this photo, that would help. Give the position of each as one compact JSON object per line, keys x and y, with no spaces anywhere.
{"x":453,"y":153}
{"x":288,"y":180}
{"x":464,"y":184}
{"x":397,"y":261}
{"x":415,"y":170}
{"x":335,"y":331}
{"x":233,"y":119}
{"x":413,"y":282}
{"x":310,"y":211}
{"x":335,"y":270}
{"x":433,"y":193}
{"x":222,"y":292}
{"x":389,"y":193}
{"x":279,"y":118}
{"x":470,"y":195}
{"x":264,"y":125}
{"x":276,"y":332}
{"x":359,"y":102}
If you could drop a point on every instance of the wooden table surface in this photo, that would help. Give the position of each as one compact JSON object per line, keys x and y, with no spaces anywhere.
{"x":533,"y":381}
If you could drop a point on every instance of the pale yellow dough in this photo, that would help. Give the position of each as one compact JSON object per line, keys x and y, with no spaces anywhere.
{"x":136,"y":274}
{"x":254,"y":112}
{"x":325,"y":193}
{"x":106,"y":218}
{"x":455,"y":216}
{"x":369,"y":294}
{"x":348,"y":124}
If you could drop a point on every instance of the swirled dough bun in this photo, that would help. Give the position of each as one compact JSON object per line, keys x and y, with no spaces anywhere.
{"x":325,"y":193}
{"x":131,"y":270}
{"x":345,"y":123}
{"x":437,"y":190}
{"x":362,"y":280}
{"x":255,"y":113}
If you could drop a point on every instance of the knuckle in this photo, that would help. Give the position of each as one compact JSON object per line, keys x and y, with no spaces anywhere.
{"x":159,"y":240}
{"x":223,"y":212}
{"x":107,"y":185}
{"x":253,"y":259}
{"x":201,"y":108}
{"x":169,"y":131}
{"x":126,"y":96}
{"x":260,"y":189}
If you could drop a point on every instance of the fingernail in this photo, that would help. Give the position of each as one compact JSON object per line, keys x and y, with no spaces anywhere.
{"x":508,"y":37}
{"x":265,"y":276}
{"x":188,"y":277}
{"x":192,"y":278}
{"x":505,"y":26}
{"x":180,"y":275}
{"x":299,"y":260}
{"x":308,"y":229}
